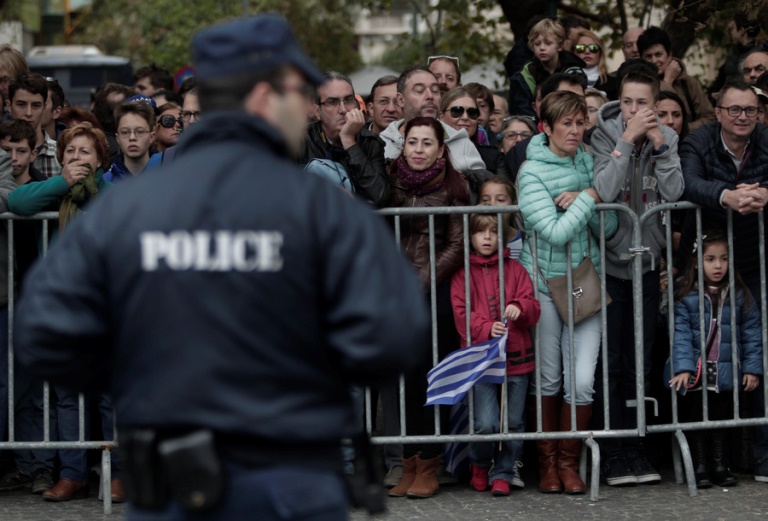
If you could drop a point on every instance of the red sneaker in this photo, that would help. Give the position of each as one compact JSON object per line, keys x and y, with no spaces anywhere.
{"x":479,"y":479}
{"x":500,"y":488}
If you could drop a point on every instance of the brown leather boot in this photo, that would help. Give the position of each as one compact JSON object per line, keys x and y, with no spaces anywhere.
{"x":426,"y":484}
{"x":409,"y":476}
{"x":66,"y":489}
{"x":549,"y":480}
{"x":570,"y":449}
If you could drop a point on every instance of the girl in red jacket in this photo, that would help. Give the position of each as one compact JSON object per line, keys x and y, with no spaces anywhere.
{"x":499,"y":466}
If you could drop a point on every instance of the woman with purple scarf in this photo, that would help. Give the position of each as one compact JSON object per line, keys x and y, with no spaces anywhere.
{"x":423,"y":177}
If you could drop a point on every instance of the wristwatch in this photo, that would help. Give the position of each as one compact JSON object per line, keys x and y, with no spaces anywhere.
{"x":663,"y":148}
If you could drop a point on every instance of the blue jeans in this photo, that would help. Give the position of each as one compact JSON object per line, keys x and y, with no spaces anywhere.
{"x":30,"y":414}
{"x":358,"y":403}
{"x":555,"y":358}
{"x":267,"y":494}
{"x":74,"y":461}
{"x":487,"y":416}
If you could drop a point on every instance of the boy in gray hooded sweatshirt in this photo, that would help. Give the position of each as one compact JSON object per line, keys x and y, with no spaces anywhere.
{"x":637,"y":165}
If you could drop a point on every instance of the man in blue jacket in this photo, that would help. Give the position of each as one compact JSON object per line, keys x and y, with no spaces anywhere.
{"x":725,"y":166}
{"x":230,"y":302}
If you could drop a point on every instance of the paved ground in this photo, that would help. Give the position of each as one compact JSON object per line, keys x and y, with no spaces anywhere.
{"x":747,"y":501}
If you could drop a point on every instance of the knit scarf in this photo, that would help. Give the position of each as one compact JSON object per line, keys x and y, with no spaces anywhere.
{"x":78,"y":194}
{"x":422,"y":182}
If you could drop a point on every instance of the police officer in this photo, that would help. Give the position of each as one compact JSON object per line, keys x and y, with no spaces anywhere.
{"x":228,"y":302}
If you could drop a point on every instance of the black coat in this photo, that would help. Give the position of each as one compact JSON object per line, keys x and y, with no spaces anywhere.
{"x":364,"y":161}
{"x":289,"y":292}
{"x":707,"y":171}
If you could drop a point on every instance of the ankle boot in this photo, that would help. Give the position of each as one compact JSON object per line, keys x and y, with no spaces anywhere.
{"x":409,"y":476}
{"x":721,"y":474}
{"x":425,"y":485}
{"x":570,"y":449}
{"x":549,"y":481}
{"x":700,"y":455}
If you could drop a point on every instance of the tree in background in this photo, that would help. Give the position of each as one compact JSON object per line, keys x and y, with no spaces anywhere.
{"x":160,"y":31}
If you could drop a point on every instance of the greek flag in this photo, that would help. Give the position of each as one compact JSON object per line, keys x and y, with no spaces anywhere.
{"x":450,"y":380}
{"x":456,"y":455}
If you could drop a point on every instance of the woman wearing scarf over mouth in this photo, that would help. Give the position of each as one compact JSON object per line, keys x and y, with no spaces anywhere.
{"x":82,"y":149}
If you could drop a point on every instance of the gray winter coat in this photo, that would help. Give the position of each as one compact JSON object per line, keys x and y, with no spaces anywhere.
{"x":639,"y":182}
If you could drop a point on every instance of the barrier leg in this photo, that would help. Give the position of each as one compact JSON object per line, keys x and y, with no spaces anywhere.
{"x":685,"y":452}
{"x":594,"y":487}
{"x":677,"y":463}
{"x":106,"y":480}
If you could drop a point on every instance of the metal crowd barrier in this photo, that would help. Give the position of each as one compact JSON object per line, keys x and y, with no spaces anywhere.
{"x":682,"y":455}
{"x":47,"y":443}
{"x":681,"y":451}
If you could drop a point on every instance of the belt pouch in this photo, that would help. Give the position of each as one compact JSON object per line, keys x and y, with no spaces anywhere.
{"x":194,"y":470}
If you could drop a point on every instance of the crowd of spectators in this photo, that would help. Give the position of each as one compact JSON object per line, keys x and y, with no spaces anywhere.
{"x":567,"y":135}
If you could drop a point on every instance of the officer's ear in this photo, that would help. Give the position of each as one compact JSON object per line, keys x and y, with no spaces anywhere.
{"x":258,"y":102}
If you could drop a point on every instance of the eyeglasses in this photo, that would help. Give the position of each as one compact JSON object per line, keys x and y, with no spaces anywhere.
{"x":457,"y":112}
{"x":735,"y":111}
{"x":187,"y":115}
{"x":168,"y":121}
{"x":511,"y":135}
{"x":593,"y":48}
{"x":349,"y":102}
{"x":385,"y":102}
{"x":453,"y":59}
{"x":126,"y":132}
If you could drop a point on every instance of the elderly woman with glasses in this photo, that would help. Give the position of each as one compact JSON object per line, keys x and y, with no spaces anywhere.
{"x":589,"y":48}
{"x":515,"y":130}
{"x":459,"y":110}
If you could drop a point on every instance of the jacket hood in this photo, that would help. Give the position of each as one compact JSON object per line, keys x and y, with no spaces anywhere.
{"x":231,"y":126}
{"x":609,"y":118}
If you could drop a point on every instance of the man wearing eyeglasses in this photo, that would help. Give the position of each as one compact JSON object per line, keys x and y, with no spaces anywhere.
{"x":339,"y":136}
{"x":725,"y":165}
{"x":383,"y":105}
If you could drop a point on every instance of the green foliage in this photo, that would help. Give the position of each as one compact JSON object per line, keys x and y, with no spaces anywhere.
{"x":462,"y":28}
{"x":161,"y":31}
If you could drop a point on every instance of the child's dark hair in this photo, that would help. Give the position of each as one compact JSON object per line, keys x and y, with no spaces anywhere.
{"x":17,"y":131}
{"x":480,"y":221}
{"x":690,"y":278}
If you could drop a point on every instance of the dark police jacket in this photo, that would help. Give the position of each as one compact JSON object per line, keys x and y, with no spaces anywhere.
{"x":230,"y":290}
{"x":707,"y":171}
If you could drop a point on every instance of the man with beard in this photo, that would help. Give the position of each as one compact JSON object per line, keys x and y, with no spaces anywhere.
{"x":418,"y":92}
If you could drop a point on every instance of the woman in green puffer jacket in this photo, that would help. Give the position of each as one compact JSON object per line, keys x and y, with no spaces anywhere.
{"x":557,"y":199}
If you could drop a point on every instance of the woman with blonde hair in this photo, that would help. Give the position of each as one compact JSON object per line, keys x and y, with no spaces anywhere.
{"x":589,"y":48}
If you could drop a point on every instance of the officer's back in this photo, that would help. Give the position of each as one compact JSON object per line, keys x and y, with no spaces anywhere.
{"x":229,"y":292}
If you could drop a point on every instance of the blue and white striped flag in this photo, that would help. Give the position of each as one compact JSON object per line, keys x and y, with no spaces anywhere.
{"x":456,"y":454}
{"x":450,"y":380}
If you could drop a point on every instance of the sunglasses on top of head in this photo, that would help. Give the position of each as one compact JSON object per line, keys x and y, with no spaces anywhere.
{"x":593,"y":48}
{"x":457,"y":112}
{"x":169,"y":121}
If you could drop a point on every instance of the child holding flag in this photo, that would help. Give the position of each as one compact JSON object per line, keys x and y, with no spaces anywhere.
{"x":497,"y":463}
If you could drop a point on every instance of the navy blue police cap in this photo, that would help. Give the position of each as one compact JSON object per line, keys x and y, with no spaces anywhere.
{"x":251,"y":44}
